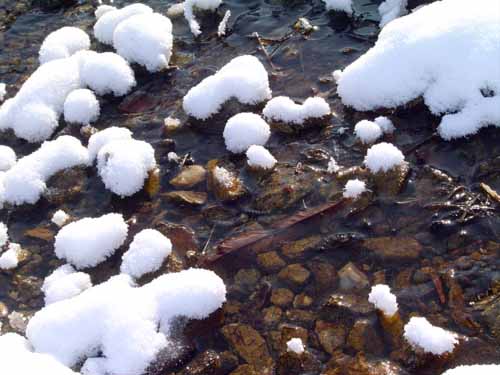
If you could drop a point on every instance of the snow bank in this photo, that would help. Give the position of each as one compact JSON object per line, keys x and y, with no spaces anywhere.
{"x":60,"y":218}
{"x":191,"y":5}
{"x":243,"y":78}
{"x":283,"y":109}
{"x":391,"y":9}
{"x":447,"y":52}
{"x":354,"y":188}
{"x":260,"y":157}
{"x":63,"y":43}
{"x":129,"y":325}
{"x":422,"y":334}
{"x":7,"y":158}
{"x":18,"y":358}
{"x":146,"y":253}
{"x":339,"y":5}
{"x":382,"y":157}
{"x":295,"y":345}
{"x":89,"y":241}
{"x":81,"y":107}
{"x":3,"y":91}
{"x":367,"y":131}
{"x":99,"y":139}
{"x":473,"y":369}
{"x":25,"y":181}
{"x":244,"y":130}
{"x":64,"y":283}
{"x":383,"y":299}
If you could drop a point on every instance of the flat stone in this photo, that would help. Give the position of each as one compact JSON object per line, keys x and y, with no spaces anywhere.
{"x":352,"y":278}
{"x":297,"y":249}
{"x":282,"y":297}
{"x":270,"y":262}
{"x":194,"y":198}
{"x":393,"y":248}
{"x":189,"y":176}
{"x":294,"y":274}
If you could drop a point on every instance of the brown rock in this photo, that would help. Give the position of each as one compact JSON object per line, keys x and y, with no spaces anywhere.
{"x":225,"y":185}
{"x":246,"y":279}
{"x":282,"y":297}
{"x":289,"y":332}
{"x":194,"y":198}
{"x":272,"y":315}
{"x":294,"y":274}
{"x":325,"y":275}
{"x":245,"y":370}
{"x":297,"y":249}
{"x":183,"y":238}
{"x":346,"y":307}
{"x":331,"y":336}
{"x":189,"y":176}
{"x":206,"y":363}
{"x":363,"y":337}
{"x":393,"y":247}
{"x":392,"y":181}
{"x":302,"y":300}
{"x":300,"y":316}
{"x":352,"y":278}
{"x":40,"y":233}
{"x":152,"y":184}
{"x":270,"y":262}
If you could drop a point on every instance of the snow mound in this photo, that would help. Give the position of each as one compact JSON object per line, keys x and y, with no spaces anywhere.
{"x":383,"y":299}
{"x":354,"y":188}
{"x":472,"y":369}
{"x":191,"y":5}
{"x":243,"y":78}
{"x":284,"y":109}
{"x":295,"y":345}
{"x":7,"y":158}
{"x":60,"y":218}
{"x":81,"y":107}
{"x":367,"y":131}
{"x":260,"y":157}
{"x":422,"y":334}
{"x":89,"y":241}
{"x":146,"y":253}
{"x":339,"y":5}
{"x":3,"y":91}
{"x":244,"y":130}
{"x":63,"y":43}
{"x":382,"y":157}
{"x":64,"y":283}
{"x":18,"y":358}
{"x":391,"y":9}
{"x":447,"y":52}
{"x":99,"y":139}
{"x":25,"y":181}
{"x":127,"y":325}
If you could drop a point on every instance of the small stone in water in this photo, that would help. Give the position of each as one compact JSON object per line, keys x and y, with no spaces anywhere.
{"x":189,"y":176}
{"x":351,"y":277}
{"x":295,"y":274}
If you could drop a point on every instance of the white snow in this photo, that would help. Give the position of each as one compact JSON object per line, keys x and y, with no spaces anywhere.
{"x":10,"y":258}
{"x":474,"y":369}
{"x":94,"y":366}
{"x":63,"y":43}
{"x":339,"y":5}
{"x":60,"y":218}
{"x":446,"y":52}
{"x":222,"y":28}
{"x":129,"y":325}
{"x":260,"y":157}
{"x":25,"y":181}
{"x":244,"y":130}
{"x":391,"y":9}
{"x":367,"y":131}
{"x":175,"y":10}
{"x":89,"y":241}
{"x":146,"y":253}
{"x":422,"y":334}
{"x":385,"y":124}
{"x":4,"y":236}
{"x":354,"y":188}
{"x":295,"y":345}
{"x":100,"y":139}
{"x":224,"y":177}
{"x":3,"y":91}
{"x":64,"y":283}
{"x":18,"y":358}
{"x":172,"y":156}
{"x":103,"y":9}
{"x":243,"y":78}
{"x":7,"y":158}
{"x":81,"y":107}
{"x":189,"y":8}
{"x":284,"y":109}
{"x":383,"y":157}
{"x":383,"y":299}
{"x":333,"y":166}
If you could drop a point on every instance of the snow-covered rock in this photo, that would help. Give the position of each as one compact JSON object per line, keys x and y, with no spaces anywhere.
{"x":243,"y":78}
{"x":99,"y":139}
{"x":124,"y":324}
{"x":446,"y":52}
{"x":3,"y":91}
{"x":284,"y":109}
{"x":191,"y":5}
{"x":354,"y":188}
{"x":391,"y":9}
{"x":63,"y":43}
{"x":260,"y":157}
{"x":383,"y":299}
{"x":81,"y":107}
{"x":89,"y":241}
{"x":474,"y":369}
{"x":244,"y":130}
{"x":10,"y":258}
{"x":295,"y":345}
{"x":146,"y":253}
{"x":383,"y":157}
{"x":64,"y":283}
{"x":60,"y":218}
{"x":367,"y":131}
{"x":422,"y":334}
{"x":7,"y":158}
{"x":339,"y":5}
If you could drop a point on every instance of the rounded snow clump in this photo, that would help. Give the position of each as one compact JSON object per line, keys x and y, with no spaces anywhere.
{"x":3,"y":91}
{"x":354,"y":188}
{"x":295,"y":345}
{"x":124,"y":165}
{"x":81,"y":107}
{"x":146,"y":253}
{"x":89,"y":241}
{"x":260,"y":157}
{"x":60,"y":218}
{"x":385,"y":124}
{"x":10,"y":258}
{"x":422,"y":334}
{"x":7,"y":158}
{"x":367,"y":131}
{"x":189,"y":6}
{"x":383,"y":299}
{"x":103,"y":9}
{"x":472,"y":369}
{"x":383,"y":157}
{"x":244,"y":130}
{"x":63,"y":43}
{"x":99,"y":139}
{"x":284,"y":109}
{"x":64,"y":283}
{"x":339,"y":5}
{"x":243,"y":78}
{"x":145,"y":39}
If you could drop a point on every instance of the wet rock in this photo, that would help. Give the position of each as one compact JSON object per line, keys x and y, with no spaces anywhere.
{"x":346,"y":307}
{"x":272,"y":315}
{"x":300,"y":316}
{"x":189,"y":176}
{"x":331,"y":335}
{"x":491,"y":314}
{"x":351,"y":277}
{"x":297,"y":249}
{"x":245,"y":370}
{"x":194,"y":198}
{"x":40,"y":233}
{"x":364,"y":337}
{"x":359,"y":365}
{"x":392,"y":181}
{"x":289,"y":332}
{"x":206,"y":363}
{"x":403,"y":248}
{"x":325,"y":275}
{"x":290,"y":363}
{"x":66,"y":185}
{"x":294,"y":274}
{"x":270,"y":261}
{"x":4,"y":310}
{"x":225,"y":185}
{"x":183,"y":238}
{"x":246,"y":279}
{"x":282,"y":297}
{"x":152,"y":184}
{"x":302,"y":300}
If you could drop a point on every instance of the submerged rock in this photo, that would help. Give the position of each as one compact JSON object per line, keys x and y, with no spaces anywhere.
{"x":189,"y":176}
{"x":270,"y":261}
{"x":294,"y":274}
{"x":350,"y":277}
{"x":402,"y":248}
{"x":194,"y":198}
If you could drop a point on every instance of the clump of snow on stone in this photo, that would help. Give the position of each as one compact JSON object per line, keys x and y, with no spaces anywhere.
{"x":60,"y":218}
{"x":18,"y":358}
{"x":295,"y":345}
{"x":99,"y":139}
{"x":3,"y":91}
{"x":354,"y":188}
{"x":10,"y":258}
{"x":4,"y":236}
{"x":172,"y":156}
{"x":124,"y":324}
{"x":474,"y":369}
{"x":385,"y":124}
{"x":244,"y":130}
{"x":223,"y":177}
{"x":81,"y":107}
{"x":102,"y":9}
{"x":175,"y":10}
{"x":191,"y":5}
{"x":339,"y":5}
{"x":63,"y":43}
{"x":222,"y":28}
{"x":391,"y":9}
{"x":383,"y":157}
{"x":25,"y":181}
{"x":260,"y":157}
{"x":243,"y":78}
{"x":383,"y":299}
{"x":7,"y":158}
{"x":146,"y":253}
{"x":89,"y":241}
{"x":367,"y":131}
{"x":422,"y":334}
{"x":284,"y":109}
{"x":64,"y":283}
{"x":454,"y":68}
